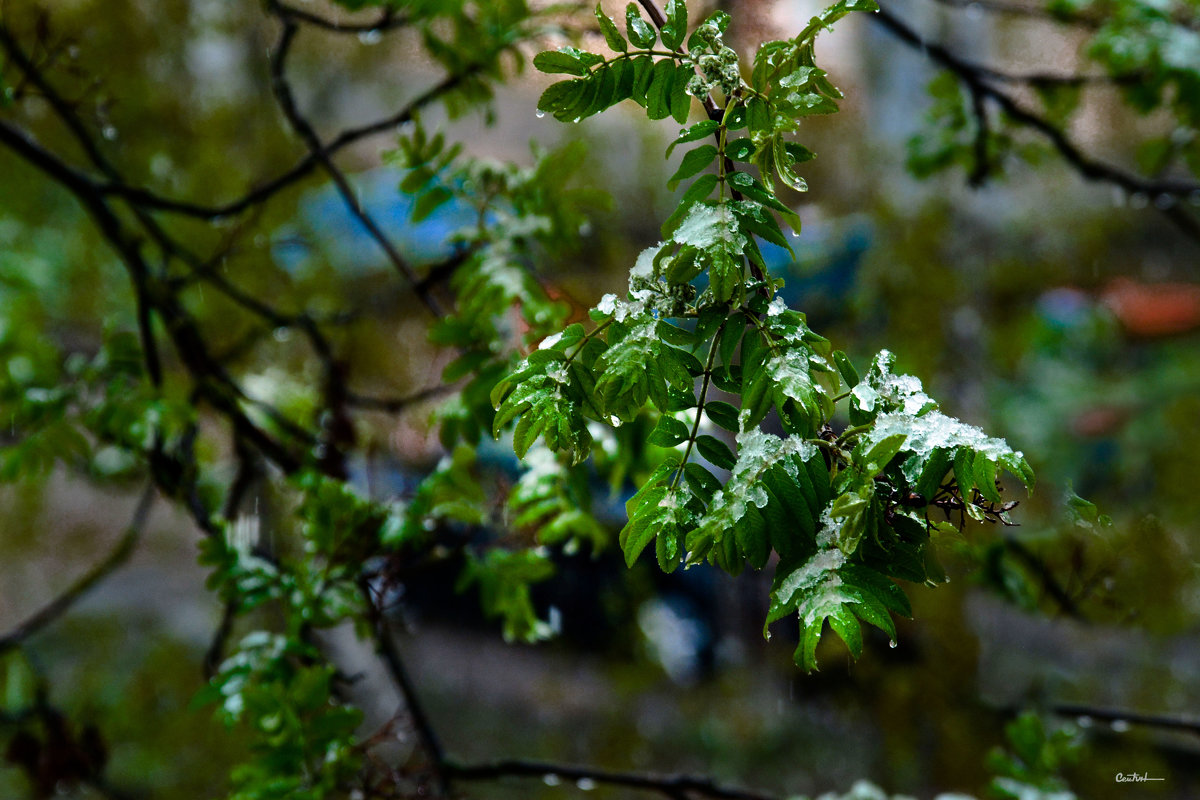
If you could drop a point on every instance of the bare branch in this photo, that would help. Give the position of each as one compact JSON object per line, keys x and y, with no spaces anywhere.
{"x":385,"y":645}
{"x":63,"y":602}
{"x":387,"y":20}
{"x":287,"y":102}
{"x":975,"y":77}
{"x":395,"y":405}
{"x":673,"y":786}
{"x":1161,"y":721}
{"x":302,"y":169}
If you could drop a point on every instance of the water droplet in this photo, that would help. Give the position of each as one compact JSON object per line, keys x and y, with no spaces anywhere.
{"x":974,"y":12}
{"x":1139,"y":200}
{"x":585,"y":784}
{"x":1084,"y":721}
{"x":1163,"y":202}
{"x":282,"y":334}
{"x":539,"y":113}
{"x":1119,"y":725}
{"x":374,"y":36}
{"x":550,"y":779}
{"x":576,"y":119}
{"x":109,"y":132}
{"x":892,"y":644}
{"x":1118,"y":197}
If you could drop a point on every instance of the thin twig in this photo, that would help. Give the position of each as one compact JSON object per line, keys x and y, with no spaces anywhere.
{"x":385,"y":645}
{"x":302,"y":169}
{"x":287,"y":102}
{"x":674,"y":786}
{"x":387,"y":20}
{"x":1049,"y":582}
{"x":395,"y":405}
{"x":1162,"y":721}
{"x":975,"y":79}
{"x":63,"y":602}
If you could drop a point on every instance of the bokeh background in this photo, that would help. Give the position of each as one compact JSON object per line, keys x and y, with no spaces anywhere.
{"x":1061,"y":314}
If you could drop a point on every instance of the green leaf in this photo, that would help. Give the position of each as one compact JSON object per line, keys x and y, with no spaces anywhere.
{"x":701,"y":481}
{"x":713,"y":229}
{"x":701,"y":130}
{"x":560,"y":96}
{"x":845,"y":368}
{"x":694,"y":161}
{"x":882,"y":452}
{"x":675,"y":29}
{"x":722,"y":414}
{"x":658,"y":96}
{"x":429,"y":202}
{"x":566,"y":60}
{"x":715,"y":451}
{"x":668,"y":432}
{"x":609,"y":28}
{"x":641,"y":33}
{"x":680,"y":100}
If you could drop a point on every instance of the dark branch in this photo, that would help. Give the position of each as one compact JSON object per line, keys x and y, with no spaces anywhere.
{"x":983,"y":168}
{"x":63,"y":602}
{"x":385,"y":645}
{"x":387,"y":20}
{"x":287,"y":102}
{"x":1161,"y":721}
{"x":395,"y":405}
{"x":302,"y":169}
{"x":975,"y":78}
{"x":673,"y":786}
{"x":1049,"y":582}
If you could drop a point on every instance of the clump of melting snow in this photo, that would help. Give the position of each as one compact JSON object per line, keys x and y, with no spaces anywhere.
{"x":777,"y":307}
{"x":865,"y":395}
{"x":758,"y":451}
{"x":903,"y":392}
{"x":933,"y":430}
{"x":790,"y":370}
{"x":607,"y":305}
{"x":644,"y":266}
{"x":828,"y":528}
{"x":815,"y":587}
{"x":707,"y":225}
{"x":558,"y":373}
{"x":550,"y":341}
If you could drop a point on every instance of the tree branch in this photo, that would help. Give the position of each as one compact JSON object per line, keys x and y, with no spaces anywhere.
{"x":975,"y":77}
{"x":1049,"y":582}
{"x":287,"y":102}
{"x":1164,"y":722}
{"x":63,"y":602}
{"x":387,"y":20}
{"x":385,"y":645}
{"x":302,"y":169}
{"x":673,"y":786}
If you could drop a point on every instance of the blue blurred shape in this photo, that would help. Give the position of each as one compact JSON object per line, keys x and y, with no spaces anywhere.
{"x":327,"y":230}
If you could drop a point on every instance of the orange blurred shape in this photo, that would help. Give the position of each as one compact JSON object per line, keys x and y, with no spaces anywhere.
{"x":1158,"y":309}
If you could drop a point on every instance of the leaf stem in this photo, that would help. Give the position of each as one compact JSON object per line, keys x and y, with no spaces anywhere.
{"x":704,"y":384}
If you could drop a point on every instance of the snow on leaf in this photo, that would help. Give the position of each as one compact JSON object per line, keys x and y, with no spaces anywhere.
{"x":757,"y":452}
